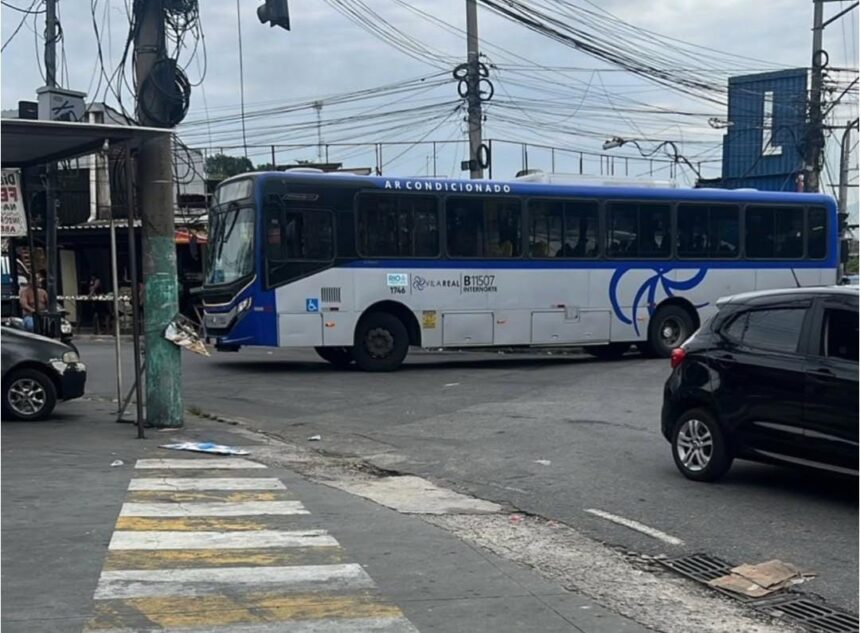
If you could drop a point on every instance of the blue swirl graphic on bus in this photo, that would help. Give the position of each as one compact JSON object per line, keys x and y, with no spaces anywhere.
{"x":649,"y":287}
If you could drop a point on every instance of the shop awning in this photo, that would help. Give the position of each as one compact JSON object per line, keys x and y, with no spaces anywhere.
{"x":26,"y":142}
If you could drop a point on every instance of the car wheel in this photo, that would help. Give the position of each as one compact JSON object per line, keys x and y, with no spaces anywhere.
{"x":381,"y":342}
{"x":29,"y":394}
{"x":669,"y":327}
{"x":611,"y":351}
{"x":340,"y":357}
{"x":698,"y":447}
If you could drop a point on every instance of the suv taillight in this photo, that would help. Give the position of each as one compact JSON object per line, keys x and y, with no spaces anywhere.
{"x":677,"y":357}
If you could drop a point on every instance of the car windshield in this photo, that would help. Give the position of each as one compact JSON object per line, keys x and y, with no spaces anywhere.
{"x":231,"y":245}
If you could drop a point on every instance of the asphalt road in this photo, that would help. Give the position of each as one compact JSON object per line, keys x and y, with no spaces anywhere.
{"x":552,"y":435}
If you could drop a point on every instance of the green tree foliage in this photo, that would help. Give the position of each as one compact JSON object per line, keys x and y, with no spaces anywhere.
{"x":221,"y":166}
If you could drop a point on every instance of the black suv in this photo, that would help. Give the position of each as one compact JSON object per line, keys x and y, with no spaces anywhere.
{"x":772,"y":377}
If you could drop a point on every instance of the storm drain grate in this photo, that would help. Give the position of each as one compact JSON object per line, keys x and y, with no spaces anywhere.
{"x":699,"y":567}
{"x":811,"y":615}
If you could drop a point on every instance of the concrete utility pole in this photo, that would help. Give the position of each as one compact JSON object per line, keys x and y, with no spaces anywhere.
{"x":163,"y":362}
{"x":473,"y":80}
{"x":51,"y":201}
{"x":844,"y":164}
{"x":815,"y":131}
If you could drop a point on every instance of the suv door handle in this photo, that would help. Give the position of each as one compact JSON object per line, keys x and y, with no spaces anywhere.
{"x":823,"y":371}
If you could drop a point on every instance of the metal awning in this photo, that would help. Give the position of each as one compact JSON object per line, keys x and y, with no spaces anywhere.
{"x":27,"y":142}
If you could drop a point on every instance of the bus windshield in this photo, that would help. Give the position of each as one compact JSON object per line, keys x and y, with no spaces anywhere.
{"x":231,"y":245}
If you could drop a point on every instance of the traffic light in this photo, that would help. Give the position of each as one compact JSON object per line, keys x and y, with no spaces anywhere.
{"x":275,"y":12}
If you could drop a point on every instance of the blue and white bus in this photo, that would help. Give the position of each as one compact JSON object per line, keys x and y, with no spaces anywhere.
{"x":361,"y":268}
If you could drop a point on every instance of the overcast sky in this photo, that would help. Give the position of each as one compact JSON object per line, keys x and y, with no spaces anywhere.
{"x":326,"y":54}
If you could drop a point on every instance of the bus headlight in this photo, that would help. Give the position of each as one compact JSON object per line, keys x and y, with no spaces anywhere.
{"x":244,"y":304}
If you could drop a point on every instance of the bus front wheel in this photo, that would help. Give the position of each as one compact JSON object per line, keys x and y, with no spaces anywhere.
{"x":340,"y":357}
{"x":670,"y":326}
{"x":381,"y":342}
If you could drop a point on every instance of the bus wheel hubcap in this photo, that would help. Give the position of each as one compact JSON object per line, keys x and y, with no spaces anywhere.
{"x":671,"y":332}
{"x":380,"y":343}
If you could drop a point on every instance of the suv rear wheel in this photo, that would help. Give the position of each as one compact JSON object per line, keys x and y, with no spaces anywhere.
{"x":698,"y":447}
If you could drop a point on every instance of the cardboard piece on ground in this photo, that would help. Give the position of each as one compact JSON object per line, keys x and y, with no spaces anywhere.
{"x":768,"y":574}
{"x":756,"y":581}
{"x":739,"y":584}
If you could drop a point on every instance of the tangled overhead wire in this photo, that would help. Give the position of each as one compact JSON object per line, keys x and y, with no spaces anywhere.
{"x":167,"y":85}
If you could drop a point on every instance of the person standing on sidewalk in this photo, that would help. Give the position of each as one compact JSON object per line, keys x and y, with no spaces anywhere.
{"x":28,"y":304}
{"x":99,"y":307}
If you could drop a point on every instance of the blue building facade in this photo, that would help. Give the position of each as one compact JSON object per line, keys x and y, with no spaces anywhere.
{"x":763,"y":147}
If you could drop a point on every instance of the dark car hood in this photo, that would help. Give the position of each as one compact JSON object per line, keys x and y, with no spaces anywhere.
{"x":29,"y":336}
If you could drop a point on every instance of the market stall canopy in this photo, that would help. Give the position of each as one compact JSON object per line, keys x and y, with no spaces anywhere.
{"x":27,"y":142}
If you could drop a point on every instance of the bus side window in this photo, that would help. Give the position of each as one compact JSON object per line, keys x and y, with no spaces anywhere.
{"x":483,"y":227}
{"x":774,"y":232}
{"x":545,"y":221}
{"x":708,"y":231}
{"x":622,"y":224}
{"x":397,"y":226}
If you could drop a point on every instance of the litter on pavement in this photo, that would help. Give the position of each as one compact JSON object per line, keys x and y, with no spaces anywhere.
{"x":116,"y":462}
{"x":206,"y":447}
{"x":757,"y":581}
{"x":315,"y":438}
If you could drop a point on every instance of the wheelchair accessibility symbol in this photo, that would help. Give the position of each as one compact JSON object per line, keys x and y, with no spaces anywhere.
{"x":312,"y":305}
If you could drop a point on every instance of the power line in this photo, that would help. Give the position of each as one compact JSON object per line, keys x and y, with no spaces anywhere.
{"x":27,"y":13}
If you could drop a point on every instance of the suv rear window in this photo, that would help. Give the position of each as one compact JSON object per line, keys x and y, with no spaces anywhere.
{"x":776,"y":329}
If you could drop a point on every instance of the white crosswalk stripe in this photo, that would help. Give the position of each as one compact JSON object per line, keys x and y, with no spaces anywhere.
{"x":220,"y":540}
{"x":213,"y":554}
{"x":232,"y":463}
{"x":212,"y":509}
{"x":209,"y":483}
{"x":138,"y":583}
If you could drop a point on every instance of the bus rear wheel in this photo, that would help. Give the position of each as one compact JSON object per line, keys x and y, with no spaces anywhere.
{"x":381,"y":342}
{"x":670,"y":326}
{"x":340,"y":357}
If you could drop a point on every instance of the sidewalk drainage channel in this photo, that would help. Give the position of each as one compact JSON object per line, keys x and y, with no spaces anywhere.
{"x":793,"y":607}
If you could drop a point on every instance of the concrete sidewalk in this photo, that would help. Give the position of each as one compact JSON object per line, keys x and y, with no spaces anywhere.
{"x":61,"y":502}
